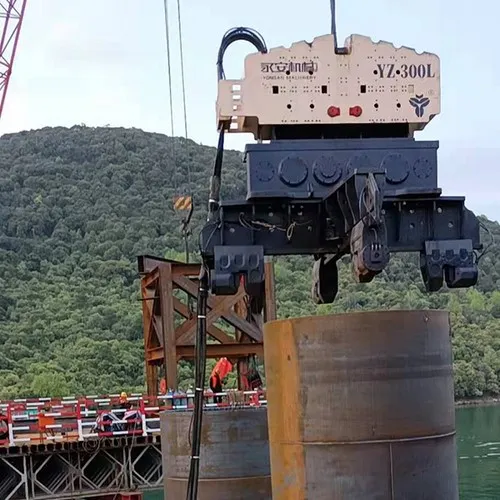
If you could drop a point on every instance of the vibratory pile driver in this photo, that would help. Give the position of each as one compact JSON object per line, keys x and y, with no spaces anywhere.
{"x":336,"y":169}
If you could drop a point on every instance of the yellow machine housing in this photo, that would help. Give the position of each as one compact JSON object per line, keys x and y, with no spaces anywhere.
{"x":310,"y":83}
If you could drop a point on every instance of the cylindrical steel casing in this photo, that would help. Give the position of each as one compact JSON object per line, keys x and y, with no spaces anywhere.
{"x":360,"y":407}
{"x":234,"y":459}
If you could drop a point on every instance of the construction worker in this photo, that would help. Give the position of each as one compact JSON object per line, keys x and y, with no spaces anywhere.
{"x":123,"y":401}
{"x":163,"y":386}
{"x":4,"y":426}
{"x":216,"y":386}
{"x":221,"y":369}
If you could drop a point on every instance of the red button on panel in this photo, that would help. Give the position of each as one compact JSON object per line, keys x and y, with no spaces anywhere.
{"x":333,"y":111}
{"x":356,"y":111}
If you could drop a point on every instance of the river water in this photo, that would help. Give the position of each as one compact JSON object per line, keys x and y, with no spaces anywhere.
{"x":478,"y":440}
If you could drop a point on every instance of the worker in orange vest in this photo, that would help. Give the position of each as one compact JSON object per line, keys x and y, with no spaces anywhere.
{"x":221,"y":369}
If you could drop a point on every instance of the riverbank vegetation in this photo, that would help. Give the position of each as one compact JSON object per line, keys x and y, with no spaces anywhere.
{"x":76,"y":208}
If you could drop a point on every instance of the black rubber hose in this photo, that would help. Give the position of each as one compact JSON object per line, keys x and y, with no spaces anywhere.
{"x":200,"y":367}
{"x":230,"y":37}
{"x":235,"y":35}
{"x":333,"y":9}
{"x":215,"y":180}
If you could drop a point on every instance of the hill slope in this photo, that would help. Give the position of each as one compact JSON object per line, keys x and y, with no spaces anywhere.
{"x":76,"y":208}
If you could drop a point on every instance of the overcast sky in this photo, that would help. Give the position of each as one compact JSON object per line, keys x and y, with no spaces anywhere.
{"x":103,"y":62}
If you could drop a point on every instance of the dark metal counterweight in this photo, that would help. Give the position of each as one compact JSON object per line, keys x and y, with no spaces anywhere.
{"x":361,"y":407}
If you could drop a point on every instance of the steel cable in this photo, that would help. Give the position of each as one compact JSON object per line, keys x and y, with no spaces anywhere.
{"x":182,"y":75}
{"x":169,"y":66}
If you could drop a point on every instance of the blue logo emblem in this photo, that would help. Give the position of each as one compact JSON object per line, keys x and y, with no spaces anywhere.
{"x":419,"y":102}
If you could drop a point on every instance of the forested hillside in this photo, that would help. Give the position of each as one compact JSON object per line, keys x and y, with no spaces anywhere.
{"x":76,"y":208}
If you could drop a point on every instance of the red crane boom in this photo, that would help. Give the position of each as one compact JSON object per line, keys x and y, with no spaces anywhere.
{"x":11,"y":14}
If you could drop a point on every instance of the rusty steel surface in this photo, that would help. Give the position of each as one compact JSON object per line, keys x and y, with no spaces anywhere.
{"x":361,"y":407}
{"x":234,"y":462}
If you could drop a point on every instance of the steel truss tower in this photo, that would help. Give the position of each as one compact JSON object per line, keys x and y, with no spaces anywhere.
{"x":11,"y":16}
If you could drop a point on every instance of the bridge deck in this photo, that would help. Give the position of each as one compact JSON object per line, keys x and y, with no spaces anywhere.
{"x":24,"y":423}
{"x":51,"y":449}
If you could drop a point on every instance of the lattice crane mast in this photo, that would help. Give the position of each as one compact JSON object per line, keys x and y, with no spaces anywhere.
{"x":11,"y":16}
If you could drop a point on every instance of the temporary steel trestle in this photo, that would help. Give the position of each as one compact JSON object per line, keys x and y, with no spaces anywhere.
{"x":68,"y":449}
{"x":81,"y":469}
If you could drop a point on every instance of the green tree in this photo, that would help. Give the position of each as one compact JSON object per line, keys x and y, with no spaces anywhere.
{"x":78,"y":205}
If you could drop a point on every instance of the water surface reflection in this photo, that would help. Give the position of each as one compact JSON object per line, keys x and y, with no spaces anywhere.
{"x":478,"y":441}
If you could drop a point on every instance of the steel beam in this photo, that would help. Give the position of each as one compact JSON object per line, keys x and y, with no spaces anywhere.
{"x":223,"y":350}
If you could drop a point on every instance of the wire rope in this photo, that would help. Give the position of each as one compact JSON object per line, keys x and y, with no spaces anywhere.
{"x":181,"y":49}
{"x":169,"y":66}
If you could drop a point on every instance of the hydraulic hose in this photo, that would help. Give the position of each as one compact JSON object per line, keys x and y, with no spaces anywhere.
{"x":230,"y":37}
{"x":200,"y":367}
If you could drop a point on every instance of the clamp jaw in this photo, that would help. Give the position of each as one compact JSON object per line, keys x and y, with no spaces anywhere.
{"x":368,"y":213}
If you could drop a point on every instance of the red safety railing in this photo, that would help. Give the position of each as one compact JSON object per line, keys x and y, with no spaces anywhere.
{"x":47,"y":420}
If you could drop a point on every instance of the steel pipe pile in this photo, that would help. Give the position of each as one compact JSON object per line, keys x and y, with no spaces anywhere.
{"x":234,"y":459}
{"x":361,"y":406}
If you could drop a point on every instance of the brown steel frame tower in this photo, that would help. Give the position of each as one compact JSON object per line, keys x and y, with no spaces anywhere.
{"x":170,"y":325}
